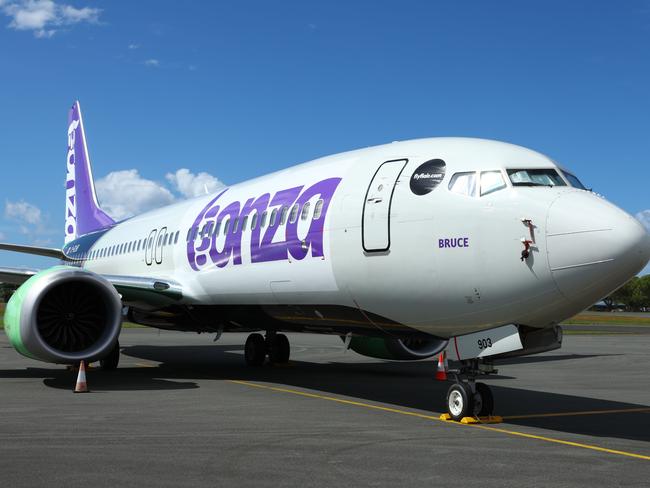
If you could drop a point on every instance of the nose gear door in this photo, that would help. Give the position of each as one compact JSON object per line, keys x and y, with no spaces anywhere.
{"x":376,"y":206}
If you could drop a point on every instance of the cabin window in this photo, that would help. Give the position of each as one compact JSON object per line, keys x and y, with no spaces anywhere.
{"x":226,"y":227}
{"x":235,"y":225}
{"x":178,"y":233}
{"x":273,"y":218}
{"x":294,"y":214}
{"x":491,"y":181}
{"x":283,"y":215}
{"x":318,"y":209}
{"x":217,"y":228}
{"x":244,"y":221}
{"x":305,"y":211}
{"x":463,"y":184}
{"x":254,"y":219}
{"x":263,"y":220}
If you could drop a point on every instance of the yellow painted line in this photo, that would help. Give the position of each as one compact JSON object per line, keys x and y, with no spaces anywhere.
{"x":437,"y":418}
{"x":146,"y":365}
{"x":571,"y":414}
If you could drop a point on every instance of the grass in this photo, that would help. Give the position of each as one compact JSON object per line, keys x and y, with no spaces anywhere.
{"x":587,"y":318}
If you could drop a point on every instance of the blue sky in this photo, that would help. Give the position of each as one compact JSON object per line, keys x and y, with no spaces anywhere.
{"x":233,"y":90}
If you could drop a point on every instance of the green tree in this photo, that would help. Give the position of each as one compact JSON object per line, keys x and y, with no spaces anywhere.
{"x":635,"y":294}
{"x":6,"y":290}
{"x":623,"y":295}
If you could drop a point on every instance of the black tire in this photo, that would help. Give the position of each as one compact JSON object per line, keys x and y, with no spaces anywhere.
{"x":485,"y":402}
{"x":460,"y":401}
{"x":255,"y":350}
{"x":280,"y":349}
{"x":110,"y":362}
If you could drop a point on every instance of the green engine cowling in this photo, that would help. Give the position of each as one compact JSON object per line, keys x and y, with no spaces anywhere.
{"x":397,"y":349}
{"x":64,"y":314}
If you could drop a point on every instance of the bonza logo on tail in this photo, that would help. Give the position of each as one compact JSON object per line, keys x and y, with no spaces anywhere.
{"x":265,"y":244}
{"x":70,"y":198}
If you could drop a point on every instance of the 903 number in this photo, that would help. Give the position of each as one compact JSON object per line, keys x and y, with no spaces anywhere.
{"x":484,"y":343}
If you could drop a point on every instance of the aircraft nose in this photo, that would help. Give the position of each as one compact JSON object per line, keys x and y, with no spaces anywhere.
{"x":593,"y":246}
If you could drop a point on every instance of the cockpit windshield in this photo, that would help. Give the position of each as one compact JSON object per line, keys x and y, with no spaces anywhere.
{"x":535,"y":177}
{"x":573,"y":180}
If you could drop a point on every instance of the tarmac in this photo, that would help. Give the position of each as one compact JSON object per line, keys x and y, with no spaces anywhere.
{"x":184,"y":411}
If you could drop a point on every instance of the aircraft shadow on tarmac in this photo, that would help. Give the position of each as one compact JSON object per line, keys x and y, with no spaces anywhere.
{"x":408,"y":385}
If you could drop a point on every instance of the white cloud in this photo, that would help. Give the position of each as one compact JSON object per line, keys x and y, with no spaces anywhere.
{"x":644,"y":218}
{"x":134,"y":46}
{"x":23,"y":212}
{"x":190,"y":185}
{"x":42,"y":16}
{"x":125,"y":193}
{"x":152,"y":63}
{"x":3,"y":236}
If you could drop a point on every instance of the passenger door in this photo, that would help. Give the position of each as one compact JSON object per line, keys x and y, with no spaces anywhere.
{"x":376,"y":206}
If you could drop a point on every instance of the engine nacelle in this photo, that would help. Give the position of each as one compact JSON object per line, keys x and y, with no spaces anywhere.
{"x":399,"y":349}
{"x":63,"y":315}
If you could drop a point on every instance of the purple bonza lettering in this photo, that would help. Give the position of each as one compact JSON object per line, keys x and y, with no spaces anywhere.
{"x":269,"y":246}
{"x":314,"y":239}
{"x":268,"y":249}
{"x":232,"y":241}
{"x":196,"y":261}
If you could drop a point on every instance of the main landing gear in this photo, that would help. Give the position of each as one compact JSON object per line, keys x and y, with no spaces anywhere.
{"x":275,"y":346}
{"x":466,"y":397}
{"x":110,"y":362}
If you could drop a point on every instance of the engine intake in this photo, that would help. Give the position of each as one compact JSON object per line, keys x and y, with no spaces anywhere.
{"x":63,"y":315}
{"x":409,"y":349}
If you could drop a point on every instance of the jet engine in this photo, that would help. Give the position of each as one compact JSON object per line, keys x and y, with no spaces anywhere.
{"x":63,"y":315}
{"x":398,"y":349}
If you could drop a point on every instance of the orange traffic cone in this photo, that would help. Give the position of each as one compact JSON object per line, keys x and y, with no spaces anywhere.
{"x":441,"y":371}
{"x":81,"y":386}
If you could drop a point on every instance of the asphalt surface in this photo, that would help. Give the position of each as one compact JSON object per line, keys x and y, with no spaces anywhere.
{"x":184,"y":411}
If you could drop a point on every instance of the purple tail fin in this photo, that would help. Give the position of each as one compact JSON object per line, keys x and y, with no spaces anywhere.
{"x":82,"y":212}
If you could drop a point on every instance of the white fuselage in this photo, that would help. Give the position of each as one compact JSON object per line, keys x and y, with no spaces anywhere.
{"x":443,"y":262}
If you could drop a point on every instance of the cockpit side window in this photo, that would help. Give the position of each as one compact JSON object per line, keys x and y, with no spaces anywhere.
{"x":573,"y":180}
{"x":463,"y":184}
{"x":535,"y":177}
{"x":491,"y":181}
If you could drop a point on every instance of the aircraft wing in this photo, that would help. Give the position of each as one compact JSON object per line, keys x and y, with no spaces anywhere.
{"x":50,"y":252}
{"x":16,"y":276}
{"x":134,"y":289}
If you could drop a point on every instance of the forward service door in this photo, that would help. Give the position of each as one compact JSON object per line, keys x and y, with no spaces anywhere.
{"x":376,"y":207}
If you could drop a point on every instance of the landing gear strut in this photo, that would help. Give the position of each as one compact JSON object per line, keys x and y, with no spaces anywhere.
{"x":466,"y":397}
{"x":111,"y":361}
{"x":275,"y":346}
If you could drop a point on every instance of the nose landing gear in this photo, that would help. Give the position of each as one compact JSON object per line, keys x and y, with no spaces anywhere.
{"x":275,"y":346}
{"x":467,"y":398}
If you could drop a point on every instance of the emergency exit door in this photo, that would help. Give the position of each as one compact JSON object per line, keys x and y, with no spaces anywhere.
{"x":376,"y":207}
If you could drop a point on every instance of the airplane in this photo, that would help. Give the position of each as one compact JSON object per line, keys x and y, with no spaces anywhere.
{"x":472,"y":248}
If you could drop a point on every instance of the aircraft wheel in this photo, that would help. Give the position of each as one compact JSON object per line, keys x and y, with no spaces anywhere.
{"x":280,"y":349}
{"x":255,"y":350}
{"x":111,"y":361}
{"x":483,"y":400}
{"x":459,"y":401}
